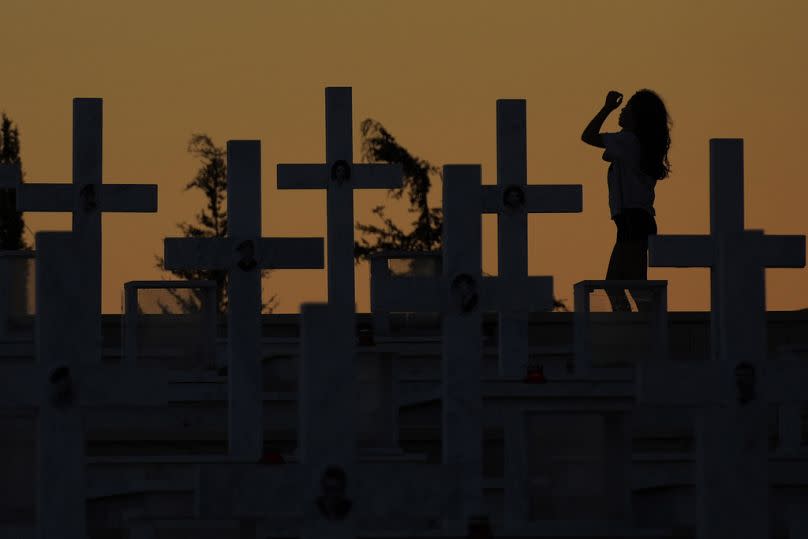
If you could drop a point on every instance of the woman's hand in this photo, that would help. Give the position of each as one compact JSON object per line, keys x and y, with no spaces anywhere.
{"x":613,"y":100}
{"x":591,"y":134}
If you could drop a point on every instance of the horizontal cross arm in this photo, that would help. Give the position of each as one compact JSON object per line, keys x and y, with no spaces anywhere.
{"x":223,"y":253}
{"x":198,"y":253}
{"x":291,"y":253}
{"x":376,"y":176}
{"x":128,"y":198}
{"x":680,"y":251}
{"x":554,"y":198}
{"x":45,"y":197}
{"x":538,"y":198}
{"x":294,"y":176}
{"x":783,"y":251}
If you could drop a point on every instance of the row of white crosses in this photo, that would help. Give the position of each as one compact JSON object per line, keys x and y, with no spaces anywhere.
{"x":244,"y":253}
{"x":460,"y":294}
{"x":733,"y":389}
{"x":513,"y":293}
{"x":327,"y":387}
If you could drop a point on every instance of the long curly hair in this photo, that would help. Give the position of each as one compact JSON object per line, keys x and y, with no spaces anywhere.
{"x":652,"y":127}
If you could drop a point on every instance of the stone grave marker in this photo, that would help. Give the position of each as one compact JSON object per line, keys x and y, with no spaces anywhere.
{"x":512,"y":199}
{"x":732,"y":431}
{"x":87,"y":198}
{"x":340,"y":177}
{"x":244,"y":253}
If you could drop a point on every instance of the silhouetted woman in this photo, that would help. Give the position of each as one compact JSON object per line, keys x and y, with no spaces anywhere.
{"x":638,"y":157}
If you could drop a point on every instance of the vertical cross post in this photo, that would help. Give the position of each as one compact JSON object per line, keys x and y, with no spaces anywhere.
{"x":462,"y":343}
{"x":87,"y":166}
{"x":328,"y":405}
{"x":244,"y":376}
{"x":60,"y":437}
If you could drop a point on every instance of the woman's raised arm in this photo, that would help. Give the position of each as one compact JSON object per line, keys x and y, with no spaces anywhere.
{"x":591,"y":134}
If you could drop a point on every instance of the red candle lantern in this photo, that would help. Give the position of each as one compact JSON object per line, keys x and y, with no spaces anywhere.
{"x":272,"y":457}
{"x":535,"y":375}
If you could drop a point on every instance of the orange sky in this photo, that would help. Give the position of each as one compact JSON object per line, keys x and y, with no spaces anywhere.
{"x":431,"y":72}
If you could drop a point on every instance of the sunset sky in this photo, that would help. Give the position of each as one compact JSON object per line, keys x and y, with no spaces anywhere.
{"x":431,"y":72}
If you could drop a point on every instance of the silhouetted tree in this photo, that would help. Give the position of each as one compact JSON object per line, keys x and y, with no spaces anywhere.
{"x":12,"y":225}
{"x":379,"y":146}
{"x":211,"y":221}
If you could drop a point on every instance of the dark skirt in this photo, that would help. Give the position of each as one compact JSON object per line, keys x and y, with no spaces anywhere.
{"x":635,"y":224}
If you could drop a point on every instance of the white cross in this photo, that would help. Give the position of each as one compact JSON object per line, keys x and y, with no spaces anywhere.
{"x":86,"y":198}
{"x":733,"y":480}
{"x":59,"y":385}
{"x":513,"y":199}
{"x":459,"y":295}
{"x":340,"y":177}
{"x":243,"y":253}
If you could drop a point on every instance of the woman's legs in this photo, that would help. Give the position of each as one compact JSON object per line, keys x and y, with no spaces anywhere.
{"x":629,"y":260}
{"x":617,"y":266}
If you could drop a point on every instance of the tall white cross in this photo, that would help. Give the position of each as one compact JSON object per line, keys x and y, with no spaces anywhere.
{"x":458,"y":294}
{"x":512,"y":199}
{"x":244,"y":253}
{"x":339,"y":176}
{"x":86,"y":198}
{"x":732,"y":431}
{"x":60,"y":384}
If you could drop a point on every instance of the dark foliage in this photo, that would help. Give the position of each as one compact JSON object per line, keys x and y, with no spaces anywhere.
{"x":12,"y":225}
{"x":211,"y":221}
{"x":379,"y":146}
